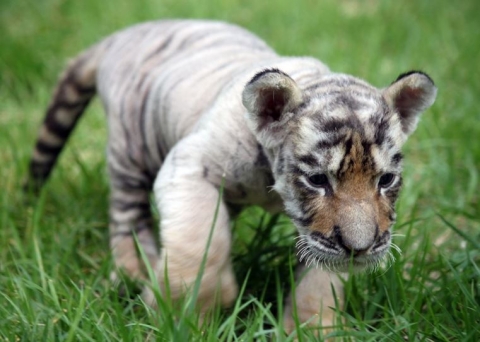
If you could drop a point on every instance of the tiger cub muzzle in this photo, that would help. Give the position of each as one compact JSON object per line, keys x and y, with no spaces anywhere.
{"x":347,"y":232}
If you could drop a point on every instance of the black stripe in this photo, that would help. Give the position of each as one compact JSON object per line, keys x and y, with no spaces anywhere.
{"x":84,"y":91}
{"x":381,"y":131}
{"x":320,"y":84}
{"x":45,"y":148}
{"x":342,"y":167}
{"x":143,"y":132}
{"x":333,"y":125}
{"x":262,"y":160}
{"x":206,"y":171}
{"x":40,"y":170}
{"x":55,"y":127}
{"x":161,"y":47}
{"x":295,"y":170}
{"x":309,"y":160}
{"x":367,"y":160}
{"x":319,"y":237}
{"x":124,"y":205}
{"x":130,"y":143}
{"x":71,"y":106}
{"x":208,"y":72}
{"x":35,"y":164}
{"x":196,"y":38}
{"x":306,"y":191}
{"x":128,"y":183}
{"x":406,"y":74}
{"x":377,"y":232}
{"x":262,"y":73}
{"x":382,"y":239}
{"x":80,"y":89}
{"x":341,"y":83}
{"x":136,"y":228}
{"x":353,"y":93}
{"x":280,"y":163}
{"x":397,"y":158}
{"x":348,"y":146}
{"x":326,"y":144}
{"x":391,"y":216}
{"x":305,"y":103}
{"x":338,"y":236}
{"x":229,"y":43}
{"x":302,"y":221}
{"x":393,"y":192}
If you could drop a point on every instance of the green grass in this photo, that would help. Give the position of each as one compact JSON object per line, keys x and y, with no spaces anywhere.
{"x":54,"y":260}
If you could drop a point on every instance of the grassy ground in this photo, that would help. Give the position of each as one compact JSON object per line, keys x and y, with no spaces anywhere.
{"x":54,"y":260}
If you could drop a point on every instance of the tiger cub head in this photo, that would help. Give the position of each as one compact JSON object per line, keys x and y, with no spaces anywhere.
{"x":335,"y":151}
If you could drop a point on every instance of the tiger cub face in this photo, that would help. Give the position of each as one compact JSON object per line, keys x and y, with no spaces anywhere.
{"x":335,"y":149}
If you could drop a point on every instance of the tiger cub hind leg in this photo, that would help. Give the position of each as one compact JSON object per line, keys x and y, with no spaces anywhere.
{"x":131,"y":228}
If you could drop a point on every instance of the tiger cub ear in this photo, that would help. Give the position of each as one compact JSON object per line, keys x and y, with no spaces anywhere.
{"x":411,"y":94}
{"x":270,"y":98}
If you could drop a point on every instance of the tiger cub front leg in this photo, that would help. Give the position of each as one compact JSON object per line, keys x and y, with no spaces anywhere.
{"x":316,"y":294}
{"x":190,"y":210}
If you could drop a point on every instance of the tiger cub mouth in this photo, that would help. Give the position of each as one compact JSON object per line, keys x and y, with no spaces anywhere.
{"x":329,"y":253}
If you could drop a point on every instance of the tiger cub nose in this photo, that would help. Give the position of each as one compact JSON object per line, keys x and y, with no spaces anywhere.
{"x":355,"y":245}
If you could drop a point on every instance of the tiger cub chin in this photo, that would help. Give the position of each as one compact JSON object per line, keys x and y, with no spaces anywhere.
{"x":196,"y":105}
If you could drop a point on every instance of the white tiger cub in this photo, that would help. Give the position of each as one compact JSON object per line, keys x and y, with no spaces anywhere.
{"x":192,"y":104}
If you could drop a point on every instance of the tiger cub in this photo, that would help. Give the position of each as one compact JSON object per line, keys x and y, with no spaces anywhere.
{"x":196,"y":105}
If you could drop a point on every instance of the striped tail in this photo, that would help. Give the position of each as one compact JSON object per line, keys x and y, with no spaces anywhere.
{"x":73,"y":93}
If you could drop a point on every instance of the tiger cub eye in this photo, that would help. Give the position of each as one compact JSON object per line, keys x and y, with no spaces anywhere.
{"x":386,"y":180}
{"x":318,"y":180}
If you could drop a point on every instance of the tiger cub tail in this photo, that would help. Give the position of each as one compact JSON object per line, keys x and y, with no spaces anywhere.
{"x":75,"y":89}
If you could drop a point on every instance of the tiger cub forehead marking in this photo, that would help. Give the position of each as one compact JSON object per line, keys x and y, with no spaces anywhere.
{"x":342,"y":113}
